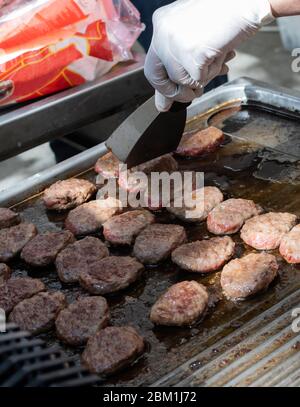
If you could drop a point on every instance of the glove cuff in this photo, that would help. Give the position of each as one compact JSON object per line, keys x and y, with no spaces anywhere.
{"x":262,"y":12}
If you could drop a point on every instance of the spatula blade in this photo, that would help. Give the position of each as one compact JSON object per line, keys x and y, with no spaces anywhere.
{"x":147,"y":133}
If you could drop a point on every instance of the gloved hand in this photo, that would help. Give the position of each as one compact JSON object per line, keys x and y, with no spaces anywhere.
{"x":193,"y":40}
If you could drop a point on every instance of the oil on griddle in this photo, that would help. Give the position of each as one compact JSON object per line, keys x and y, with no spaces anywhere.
{"x":259,"y":160}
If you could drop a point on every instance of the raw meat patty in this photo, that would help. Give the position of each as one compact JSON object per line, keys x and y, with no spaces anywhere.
{"x":5,"y":273}
{"x":290,"y":246}
{"x":68,"y":194}
{"x":229,"y":216}
{"x":89,"y":217}
{"x":123,"y":229}
{"x":205,"y":255}
{"x":110,"y":274}
{"x":112,"y":349}
{"x":38,"y":313}
{"x":17,"y":289}
{"x":8,"y":218}
{"x":246,"y":276}
{"x":13,"y":240}
{"x":108,"y":166}
{"x":165,"y":163}
{"x":43,"y":249}
{"x":200,"y":208}
{"x":82,"y":319}
{"x":183,"y":304}
{"x":156,"y":242}
{"x":201,"y":142}
{"x":266,"y":231}
{"x":79,"y":256}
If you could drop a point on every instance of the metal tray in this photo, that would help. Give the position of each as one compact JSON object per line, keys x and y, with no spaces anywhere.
{"x":237,"y":343}
{"x":35,"y":122}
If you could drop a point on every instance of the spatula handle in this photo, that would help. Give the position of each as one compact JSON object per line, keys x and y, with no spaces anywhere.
{"x":178,"y":106}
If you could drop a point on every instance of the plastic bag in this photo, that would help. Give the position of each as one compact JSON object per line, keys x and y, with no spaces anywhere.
{"x":50,"y":45}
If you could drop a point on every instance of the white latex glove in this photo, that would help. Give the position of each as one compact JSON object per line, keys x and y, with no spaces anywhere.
{"x":193,"y":40}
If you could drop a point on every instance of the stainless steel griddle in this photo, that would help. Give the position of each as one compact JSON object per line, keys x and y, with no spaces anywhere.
{"x":238,"y":343}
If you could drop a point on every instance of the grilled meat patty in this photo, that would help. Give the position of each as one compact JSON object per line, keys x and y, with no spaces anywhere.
{"x":108,"y":166}
{"x":13,"y":239}
{"x":89,"y":218}
{"x":165,"y":163}
{"x":129,"y":181}
{"x":38,"y":313}
{"x":204,"y":256}
{"x":200,"y":206}
{"x":79,"y":256}
{"x":156,"y":242}
{"x":229,"y":216}
{"x":110,"y":274}
{"x":201,"y":142}
{"x":123,"y":229}
{"x":266,"y":231}
{"x":68,"y":194}
{"x":290,"y":246}
{"x":8,"y":218}
{"x":162,"y":195}
{"x":5,"y":273}
{"x":244,"y":277}
{"x":112,"y":349}
{"x":43,"y":249}
{"x":17,"y":289}
{"x":182,"y":304}
{"x":82,"y":319}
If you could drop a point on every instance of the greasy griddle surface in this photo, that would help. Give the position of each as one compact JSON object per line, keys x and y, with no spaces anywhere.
{"x":241,"y":168}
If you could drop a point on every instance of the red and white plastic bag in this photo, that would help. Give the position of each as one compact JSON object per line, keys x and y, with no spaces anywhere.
{"x":50,"y":45}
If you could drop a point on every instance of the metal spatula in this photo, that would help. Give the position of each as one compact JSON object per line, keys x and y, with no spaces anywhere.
{"x":147,"y":134}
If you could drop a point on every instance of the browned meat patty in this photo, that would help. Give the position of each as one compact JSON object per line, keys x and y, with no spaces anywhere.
{"x":43,"y":249}
{"x":112,"y":349}
{"x":165,"y":163}
{"x":244,"y":277}
{"x":110,"y":274}
{"x":82,"y":319}
{"x":165,"y":193}
{"x":8,"y":218}
{"x":204,"y":256}
{"x":157,"y":241}
{"x":68,"y":194}
{"x":201,"y":142}
{"x":182,"y":304}
{"x":13,"y":240}
{"x":17,"y":289}
{"x":290,"y":246}
{"x":229,"y":216}
{"x":108,"y":166}
{"x":38,"y":313}
{"x":128,"y":180}
{"x":79,"y":256}
{"x":5,"y":273}
{"x":124,"y":228}
{"x":198,"y":209}
{"x":89,"y":218}
{"x":266,"y":231}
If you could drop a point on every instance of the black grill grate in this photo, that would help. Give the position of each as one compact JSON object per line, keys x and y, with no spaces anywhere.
{"x":28,"y":362}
